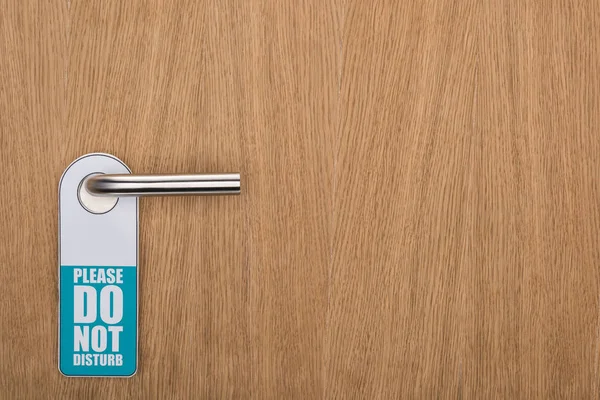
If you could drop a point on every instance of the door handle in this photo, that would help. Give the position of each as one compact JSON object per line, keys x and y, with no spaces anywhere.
{"x":98,"y":258}
{"x":121,"y":185}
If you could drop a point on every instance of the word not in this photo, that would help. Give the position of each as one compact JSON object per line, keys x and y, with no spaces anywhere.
{"x":99,"y":338}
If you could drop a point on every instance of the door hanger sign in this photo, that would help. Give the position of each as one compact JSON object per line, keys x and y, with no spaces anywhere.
{"x":98,"y":275}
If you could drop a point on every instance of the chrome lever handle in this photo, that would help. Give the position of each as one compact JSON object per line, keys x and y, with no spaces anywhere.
{"x":98,"y":243}
{"x":121,"y":185}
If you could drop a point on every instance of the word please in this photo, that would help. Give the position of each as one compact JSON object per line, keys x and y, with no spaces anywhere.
{"x":98,"y":275}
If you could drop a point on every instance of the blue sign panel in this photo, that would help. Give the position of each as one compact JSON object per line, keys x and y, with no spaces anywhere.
{"x":98,"y":320}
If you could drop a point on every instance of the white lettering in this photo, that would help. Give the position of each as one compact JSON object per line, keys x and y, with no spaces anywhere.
{"x":77,"y":273}
{"x":101,"y":276}
{"x":98,"y":275}
{"x":98,"y":359}
{"x":81,"y":337}
{"x":84,"y":296}
{"x":117,"y":306}
{"x":110,"y":276}
{"x":115,"y":331}
{"x":99,"y":338}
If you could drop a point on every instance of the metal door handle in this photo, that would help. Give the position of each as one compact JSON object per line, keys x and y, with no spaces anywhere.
{"x":98,"y":243}
{"x":162,"y":185}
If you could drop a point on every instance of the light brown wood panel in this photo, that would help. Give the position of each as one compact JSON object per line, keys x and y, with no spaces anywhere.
{"x":277,"y":67}
{"x":403,"y":172}
{"x":420,"y":207}
{"x":32,"y":113}
{"x":532,"y":318}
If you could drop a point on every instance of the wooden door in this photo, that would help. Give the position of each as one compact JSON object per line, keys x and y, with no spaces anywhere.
{"x":420,"y":207}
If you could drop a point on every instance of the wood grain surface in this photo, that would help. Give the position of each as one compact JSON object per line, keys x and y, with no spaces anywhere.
{"x":420,"y":208}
